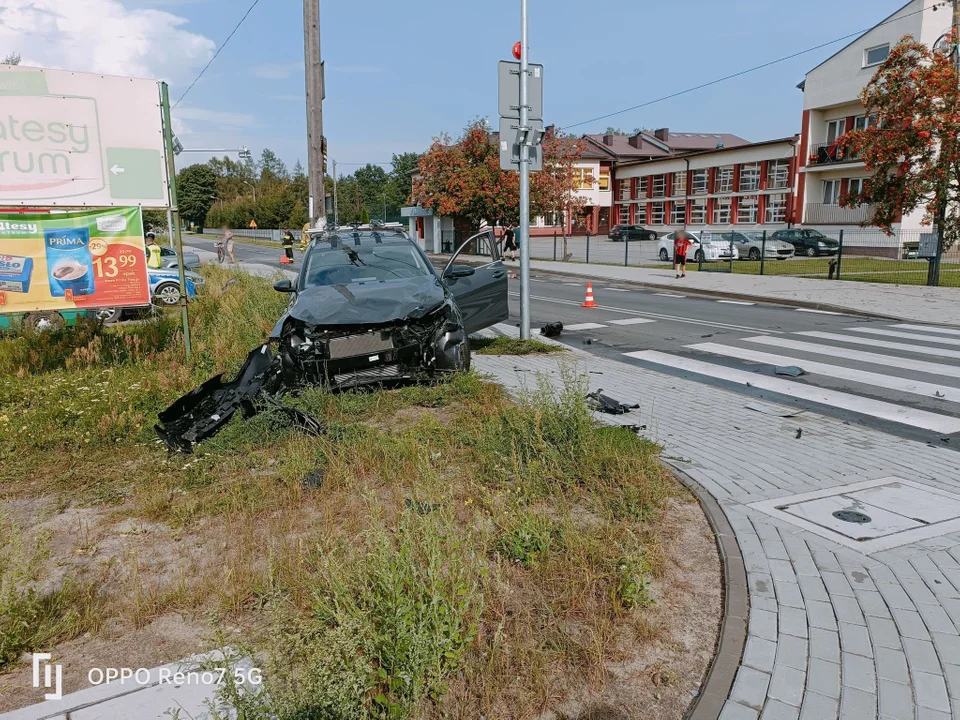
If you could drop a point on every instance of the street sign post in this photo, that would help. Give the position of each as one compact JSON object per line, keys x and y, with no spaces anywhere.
{"x":80,"y":140}
{"x":511,"y":139}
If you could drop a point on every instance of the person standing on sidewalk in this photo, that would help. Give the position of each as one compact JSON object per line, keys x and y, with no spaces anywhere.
{"x":681,"y":244}
{"x":510,"y":243}
{"x":229,"y":244}
{"x":154,"y":259}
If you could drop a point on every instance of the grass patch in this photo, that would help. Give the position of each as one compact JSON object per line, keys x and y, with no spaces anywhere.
{"x":512,"y":346}
{"x":454,"y":553}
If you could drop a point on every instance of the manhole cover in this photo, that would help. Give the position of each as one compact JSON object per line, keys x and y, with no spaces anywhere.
{"x":851,"y":516}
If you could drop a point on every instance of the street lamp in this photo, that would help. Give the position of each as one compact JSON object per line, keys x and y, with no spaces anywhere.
{"x":254,"y":188}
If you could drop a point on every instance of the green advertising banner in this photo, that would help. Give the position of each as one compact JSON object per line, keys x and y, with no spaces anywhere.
{"x":72,"y":261}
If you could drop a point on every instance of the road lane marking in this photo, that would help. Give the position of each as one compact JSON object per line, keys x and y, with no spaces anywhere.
{"x":844,"y":401}
{"x":907,"y":335}
{"x":928,"y":328}
{"x":631,"y":321}
{"x":674,"y":295}
{"x":859,"y":355}
{"x":657,"y":316}
{"x":920,"y":350}
{"x":616,"y":289}
{"x":818,"y":312}
{"x":906,"y":385}
{"x":584,"y":326}
{"x":736,"y":302}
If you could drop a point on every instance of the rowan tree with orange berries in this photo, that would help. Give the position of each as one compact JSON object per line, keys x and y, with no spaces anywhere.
{"x":913,"y":150}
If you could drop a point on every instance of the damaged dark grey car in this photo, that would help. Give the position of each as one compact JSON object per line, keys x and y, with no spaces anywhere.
{"x":369,"y":307}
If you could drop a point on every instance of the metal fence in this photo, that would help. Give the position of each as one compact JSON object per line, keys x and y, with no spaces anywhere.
{"x":855,"y":254}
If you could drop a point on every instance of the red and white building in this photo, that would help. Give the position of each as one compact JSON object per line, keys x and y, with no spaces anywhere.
{"x":748,"y":186}
{"x":831,"y":107}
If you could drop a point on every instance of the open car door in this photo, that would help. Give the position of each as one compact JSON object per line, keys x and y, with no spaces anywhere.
{"x":480,"y":292}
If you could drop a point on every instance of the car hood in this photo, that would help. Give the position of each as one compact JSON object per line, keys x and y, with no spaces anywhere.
{"x":368,"y":303}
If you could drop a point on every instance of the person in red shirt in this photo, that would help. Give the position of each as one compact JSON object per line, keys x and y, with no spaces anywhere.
{"x":681,"y":244}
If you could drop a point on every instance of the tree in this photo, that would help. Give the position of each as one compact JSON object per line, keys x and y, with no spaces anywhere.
{"x":398,"y":186}
{"x":272,"y":167}
{"x":912,"y":144}
{"x":464,"y":179}
{"x":11,"y":59}
{"x":196,"y":191}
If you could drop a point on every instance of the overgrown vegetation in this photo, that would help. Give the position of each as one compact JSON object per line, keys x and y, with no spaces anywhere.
{"x":511,"y":346}
{"x":442,"y":551}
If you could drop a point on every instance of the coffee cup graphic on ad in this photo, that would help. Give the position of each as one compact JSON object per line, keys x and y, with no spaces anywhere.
{"x":69,"y":263}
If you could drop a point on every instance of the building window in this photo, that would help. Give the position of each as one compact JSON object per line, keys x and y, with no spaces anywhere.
{"x":776,"y":209}
{"x":862,"y":122}
{"x":583,"y":178}
{"x":831,"y":192}
{"x":855,"y":186}
{"x":876,"y":55}
{"x":656,"y":213}
{"x":724,"y":180}
{"x":698,"y":212}
{"x":778,"y":175}
{"x":624,"y":215}
{"x":700,"y":178}
{"x":641,"y":188}
{"x":721,"y":212}
{"x":747,"y":210}
{"x":750,"y":177}
{"x":836,"y":128}
{"x":679,"y":184}
{"x":624,"y":188}
{"x":679,"y":214}
{"x":604,"y":179}
{"x":659,"y":185}
{"x":640,"y":214}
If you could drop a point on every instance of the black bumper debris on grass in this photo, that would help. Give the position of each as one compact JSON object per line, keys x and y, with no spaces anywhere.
{"x":606,"y":404}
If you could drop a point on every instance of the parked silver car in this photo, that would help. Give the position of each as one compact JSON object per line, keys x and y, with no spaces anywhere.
{"x":169,"y":259}
{"x":753,"y":246}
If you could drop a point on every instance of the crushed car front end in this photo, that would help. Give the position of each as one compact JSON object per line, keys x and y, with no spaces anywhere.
{"x":345,"y":356}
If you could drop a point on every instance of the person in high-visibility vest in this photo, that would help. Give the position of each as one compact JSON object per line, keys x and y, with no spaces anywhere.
{"x":153,"y":252}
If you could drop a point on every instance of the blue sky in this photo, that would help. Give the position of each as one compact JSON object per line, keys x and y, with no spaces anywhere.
{"x":400,"y":72}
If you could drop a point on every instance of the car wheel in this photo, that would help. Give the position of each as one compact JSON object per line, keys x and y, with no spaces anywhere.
{"x":652,"y":235}
{"x":809,"y":252}
{"x":167,"y":295}
{"x":754,"y":254}
{"x":108,"y":316}
{"x":664,"y":255}
{"x":41,"y":322}
{"x":698,"y":256}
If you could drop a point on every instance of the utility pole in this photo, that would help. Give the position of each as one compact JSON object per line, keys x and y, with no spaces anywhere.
{"x":315,"y":96}
{"x":524,"y":179}
{"x":933,"y":271}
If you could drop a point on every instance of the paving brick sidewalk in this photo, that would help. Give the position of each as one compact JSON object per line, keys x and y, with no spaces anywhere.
{"x":832,"y":633}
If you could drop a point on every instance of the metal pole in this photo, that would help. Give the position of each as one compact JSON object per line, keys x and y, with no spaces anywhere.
{"x":763,"y":251}
{"x":840,"y":255}
{"x":588,"y":247}
{"x":554,"y":245}
{"x":173,"y":214}
{"x":524,"y":181}
{"x":626,"y":247}
{"x":336,"y":216}
{"x":315,"y":95}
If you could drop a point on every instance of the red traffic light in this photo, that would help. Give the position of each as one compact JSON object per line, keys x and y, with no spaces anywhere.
{"x":517,"y":48}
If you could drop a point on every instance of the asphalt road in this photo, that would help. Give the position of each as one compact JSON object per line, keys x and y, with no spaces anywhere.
{"x":901,"y":378}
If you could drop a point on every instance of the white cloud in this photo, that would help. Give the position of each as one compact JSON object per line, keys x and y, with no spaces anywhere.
{"x":215,"y":117}
{"x":276,"y":71}
{"x":102,"y":36}
{"x":357,"y":69}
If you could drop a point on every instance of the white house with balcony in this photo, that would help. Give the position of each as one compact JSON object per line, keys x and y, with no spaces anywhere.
{"x":831,"y":107}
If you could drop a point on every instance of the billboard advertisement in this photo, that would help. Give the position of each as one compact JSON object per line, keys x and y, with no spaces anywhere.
{"x":80,"y":140}
{"x":72,"y":260}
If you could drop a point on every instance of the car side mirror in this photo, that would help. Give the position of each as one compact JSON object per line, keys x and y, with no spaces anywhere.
{"x":284,"y":286}
{"x":459,"y":271}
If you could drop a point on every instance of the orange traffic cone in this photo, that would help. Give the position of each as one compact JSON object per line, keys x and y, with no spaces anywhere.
{"x":589,"y":303}
{"x":284,"y":260}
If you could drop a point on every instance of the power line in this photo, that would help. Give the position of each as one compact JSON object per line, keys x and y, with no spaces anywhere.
{"x":222,"y":46}
{"x":753,"y":69}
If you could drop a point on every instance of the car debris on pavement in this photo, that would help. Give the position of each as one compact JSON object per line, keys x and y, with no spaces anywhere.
{"x":551,"y":330}
{"x":606,"y":404}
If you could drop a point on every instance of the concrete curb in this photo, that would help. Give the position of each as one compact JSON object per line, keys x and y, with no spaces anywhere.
{"x":733,"y":623}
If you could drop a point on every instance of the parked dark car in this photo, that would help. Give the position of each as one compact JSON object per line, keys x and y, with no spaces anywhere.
{"x":808,"y":242}
{"x":368,"y":307}
{"x":631,"y":232}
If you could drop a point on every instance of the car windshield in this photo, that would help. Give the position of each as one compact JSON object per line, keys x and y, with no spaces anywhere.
{"x":816,"y":234}
{"x":345,"y":265}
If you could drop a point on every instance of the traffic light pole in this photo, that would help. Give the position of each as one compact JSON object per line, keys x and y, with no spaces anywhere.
{"x":524,"y":180}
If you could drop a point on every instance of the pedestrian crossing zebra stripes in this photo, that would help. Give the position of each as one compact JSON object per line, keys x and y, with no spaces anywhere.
{"x":836,"y":375}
